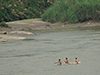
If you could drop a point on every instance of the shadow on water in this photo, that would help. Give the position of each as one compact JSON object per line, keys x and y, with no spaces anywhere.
{"x":54,"y":51}
{"x":97,"y":28}
{"x":47,"y":40}
{"x":25,"y":55}
{"x":28,"y":39}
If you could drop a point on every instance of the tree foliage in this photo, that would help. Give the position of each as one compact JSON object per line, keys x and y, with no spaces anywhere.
{"x":73,"y":11}
{"x":11,"y":10}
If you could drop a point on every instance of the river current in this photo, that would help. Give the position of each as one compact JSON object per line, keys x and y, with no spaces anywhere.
{"x":36,"y":55}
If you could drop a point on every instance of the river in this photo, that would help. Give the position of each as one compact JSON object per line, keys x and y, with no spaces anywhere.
{"x":36,"y":55}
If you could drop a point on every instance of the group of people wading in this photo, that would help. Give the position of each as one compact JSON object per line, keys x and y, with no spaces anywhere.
{"x":67,"y":62}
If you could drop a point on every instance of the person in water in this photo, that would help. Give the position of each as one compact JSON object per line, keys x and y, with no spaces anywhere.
{"x":76,"y":61}
{"x":66,"y":62}
{"x":59,"y":62}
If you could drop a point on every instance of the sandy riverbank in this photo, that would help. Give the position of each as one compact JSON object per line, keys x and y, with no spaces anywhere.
{"x":17,"y":27}
{"x":13,"y":35}
{"x":37,"y":24}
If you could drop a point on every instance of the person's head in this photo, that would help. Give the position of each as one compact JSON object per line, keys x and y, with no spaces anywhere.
{"x":66,"y":58}
{"x":75,"y":58}
{"x":59,"y":59}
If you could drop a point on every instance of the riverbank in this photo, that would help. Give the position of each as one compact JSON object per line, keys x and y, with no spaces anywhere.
{"x":38,"y":24}
{"x":22,"y":27}
{"x":13,"y":35}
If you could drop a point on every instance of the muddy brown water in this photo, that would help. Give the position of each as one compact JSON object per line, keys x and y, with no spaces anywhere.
{"x":37,"y":54}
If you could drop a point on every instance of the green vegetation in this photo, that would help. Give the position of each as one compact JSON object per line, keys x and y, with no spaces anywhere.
{"x":60,"y":10}
{"x":3,"y":24}
{"x":72,"y":11}
{"x":11,"y":10}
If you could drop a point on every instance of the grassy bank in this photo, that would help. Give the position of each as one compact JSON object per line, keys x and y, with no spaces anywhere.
{"x":73,"y":11}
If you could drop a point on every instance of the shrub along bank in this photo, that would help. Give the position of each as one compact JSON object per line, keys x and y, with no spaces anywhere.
{"x":3,"y":24}
{"x":72,"y":11}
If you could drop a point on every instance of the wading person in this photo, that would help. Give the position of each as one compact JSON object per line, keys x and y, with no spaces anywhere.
{"x":59,"y":62}
{"x":76,"y":61}
{"x":66,"y":62}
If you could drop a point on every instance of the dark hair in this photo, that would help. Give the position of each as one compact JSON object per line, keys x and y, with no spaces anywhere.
{"x":59,"y":59}
{"x":66,"y":58}
{"x":75,"y":58}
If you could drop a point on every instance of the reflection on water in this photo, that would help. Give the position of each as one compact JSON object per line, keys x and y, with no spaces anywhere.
{"x":36,"y":55}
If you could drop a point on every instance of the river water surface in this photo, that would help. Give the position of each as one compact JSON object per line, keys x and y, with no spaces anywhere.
{"x":37,"y":54}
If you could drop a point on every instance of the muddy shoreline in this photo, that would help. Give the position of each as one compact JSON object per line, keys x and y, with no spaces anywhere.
{"x":23,"y":27}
